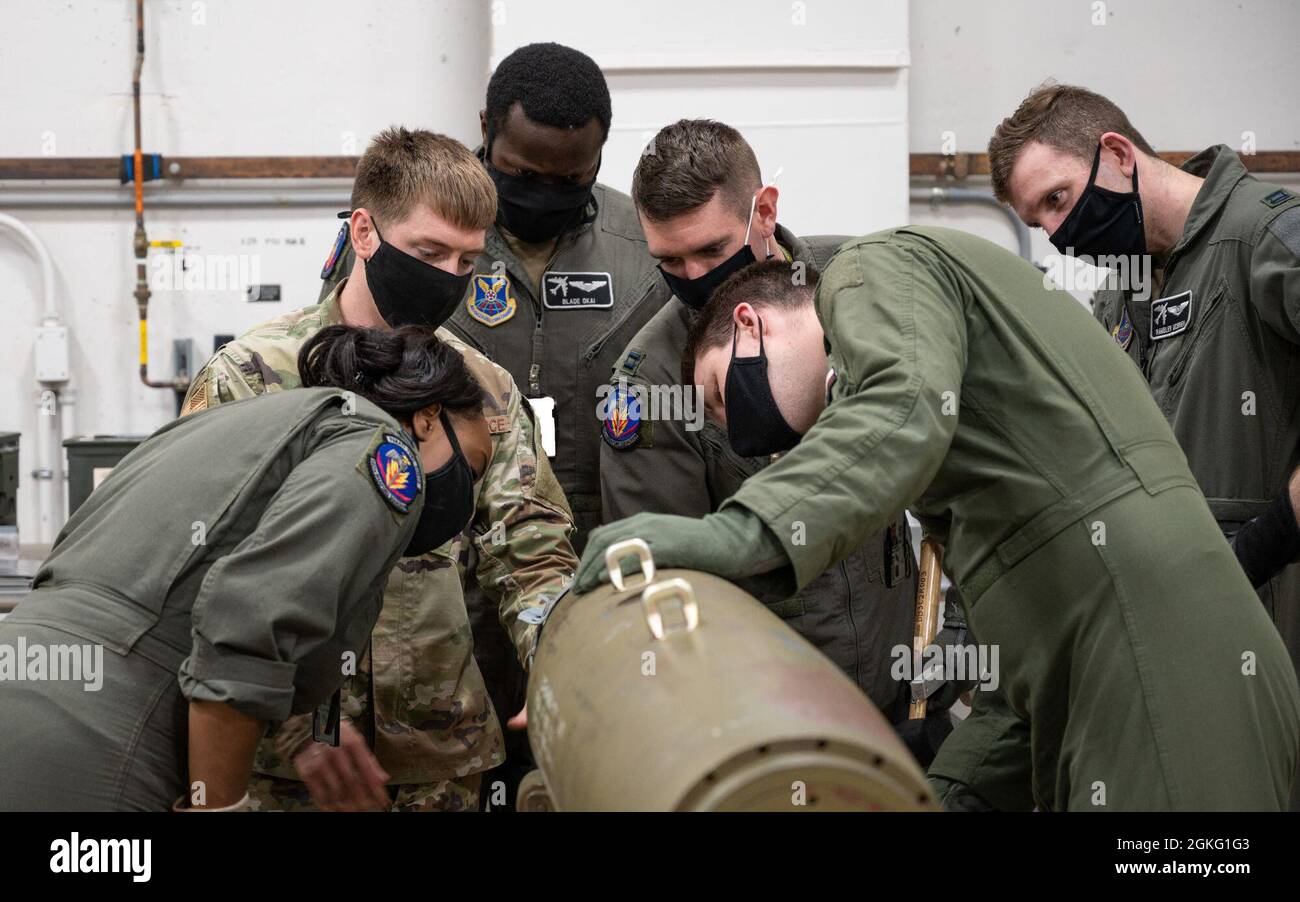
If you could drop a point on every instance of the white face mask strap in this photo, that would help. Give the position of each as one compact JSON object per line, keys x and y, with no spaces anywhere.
{"x":753,"y":203}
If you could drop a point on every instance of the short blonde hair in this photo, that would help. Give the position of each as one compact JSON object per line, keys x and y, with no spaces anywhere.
{"x":405,"y":167}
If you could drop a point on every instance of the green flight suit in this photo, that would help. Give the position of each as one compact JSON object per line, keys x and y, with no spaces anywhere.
{"x":859,"y":609}
{"x":237,"y":556}
{"x":1227,"y":374}
{"x":420,"y":699}
{"x":1133,"y":652}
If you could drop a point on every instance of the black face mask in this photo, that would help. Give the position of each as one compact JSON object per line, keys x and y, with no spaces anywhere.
{"x":755,"y":425}
{"x":1103,"y":222}
{"x":535,"y":212}
{"x":448,"y":500}
{"x":694,"y":293}
{"x":410,"y":292}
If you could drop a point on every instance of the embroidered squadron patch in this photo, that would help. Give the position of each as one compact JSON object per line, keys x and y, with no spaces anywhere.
{"x":1123,"y":331}
{"x":337,"y":251}
{"x":491,"y":303}
{"x":395,"y":474}
{"x":622,"y":426}
{"x":1171,"y":316}
{"x":577,"y":290}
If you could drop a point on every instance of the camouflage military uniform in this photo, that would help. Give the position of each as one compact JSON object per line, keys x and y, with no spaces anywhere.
{"x":418,"y":696}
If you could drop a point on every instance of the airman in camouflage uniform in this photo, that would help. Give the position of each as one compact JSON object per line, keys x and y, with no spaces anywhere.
{"x":418,"y":696}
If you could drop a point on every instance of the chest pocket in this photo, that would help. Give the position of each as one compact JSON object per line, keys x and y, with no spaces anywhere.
{"x":1175,"y":356}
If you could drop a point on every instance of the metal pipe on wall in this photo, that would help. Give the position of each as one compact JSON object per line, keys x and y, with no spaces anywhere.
{"x":189,"y":198}
{"x":52,"y":387}
{"x":939,"y":195}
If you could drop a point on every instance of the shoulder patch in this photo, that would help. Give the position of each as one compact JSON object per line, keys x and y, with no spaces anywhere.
{"x":621,"y":429}
{"x":1286,"y":229}
{"x":332,"y":261}
{"x":1123,"y":331}
{"x":491,"y":303}
{"x":1277,"y":198}
{"x":198,"y":399}
{"x":395,"y":473}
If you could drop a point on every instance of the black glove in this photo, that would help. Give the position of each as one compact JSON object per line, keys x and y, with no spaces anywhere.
{"x":954,"y":634}
{"x":1268,"y":543}
{"x":924,"y":735}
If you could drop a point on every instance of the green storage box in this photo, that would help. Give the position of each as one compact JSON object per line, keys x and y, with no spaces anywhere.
{"x":90,"y":458}
{"x":9,"y":478}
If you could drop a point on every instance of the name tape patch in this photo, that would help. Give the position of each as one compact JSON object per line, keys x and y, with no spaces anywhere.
{"x":1171,"y":316}
{"x":577,"y":290}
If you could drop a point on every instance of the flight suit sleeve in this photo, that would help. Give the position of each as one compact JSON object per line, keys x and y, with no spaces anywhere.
{"x":227,"y":377}
{"x":522,"y":528}
{"x":898,"y":340}
{"x":666,"y":475}
{"x":267,"y":612}
{"x":1275,"y":274}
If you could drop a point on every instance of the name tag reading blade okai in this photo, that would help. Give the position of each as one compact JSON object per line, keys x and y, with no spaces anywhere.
{"x":577,"y":290}
{"x":1171,"y":316}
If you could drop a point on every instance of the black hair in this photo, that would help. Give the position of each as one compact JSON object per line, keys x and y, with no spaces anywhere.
{"x":768,"y":284}
{"x":401,"y":371}
{"x":556,"y":85}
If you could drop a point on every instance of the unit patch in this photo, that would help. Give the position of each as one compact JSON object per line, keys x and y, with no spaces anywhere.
{"x":491,"y":303}
{"x":577,"y":290}
{"x":622,"y":426}
{"x":1123,"y":331}
{"x":395,"y":473}
{"x":1171,"y":316}
{"x":335,"y":252}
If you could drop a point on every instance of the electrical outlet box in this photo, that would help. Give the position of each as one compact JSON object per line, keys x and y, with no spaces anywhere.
{"x":263,"y":293}
{"x":183,"y":358}
{"x":52,"y":354}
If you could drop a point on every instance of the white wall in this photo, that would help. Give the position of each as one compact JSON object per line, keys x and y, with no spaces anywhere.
{"x":831,"y":91}
{"x":235,"y":77}
{"x":817,"y":87}
{"x":1189,"y":73}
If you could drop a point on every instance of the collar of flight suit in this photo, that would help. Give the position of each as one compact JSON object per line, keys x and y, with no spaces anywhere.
{"x":1222,"y":170}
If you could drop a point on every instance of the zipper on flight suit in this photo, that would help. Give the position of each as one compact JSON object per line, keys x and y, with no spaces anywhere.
{"x":1194,"y":340}
{"x":539,"y":306}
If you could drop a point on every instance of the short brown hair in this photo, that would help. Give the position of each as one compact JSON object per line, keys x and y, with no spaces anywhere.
{"x":771,"y":284}
{"x":689,"y":162}
{"x":1068,"y":118}
{"x":404,"y":167}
